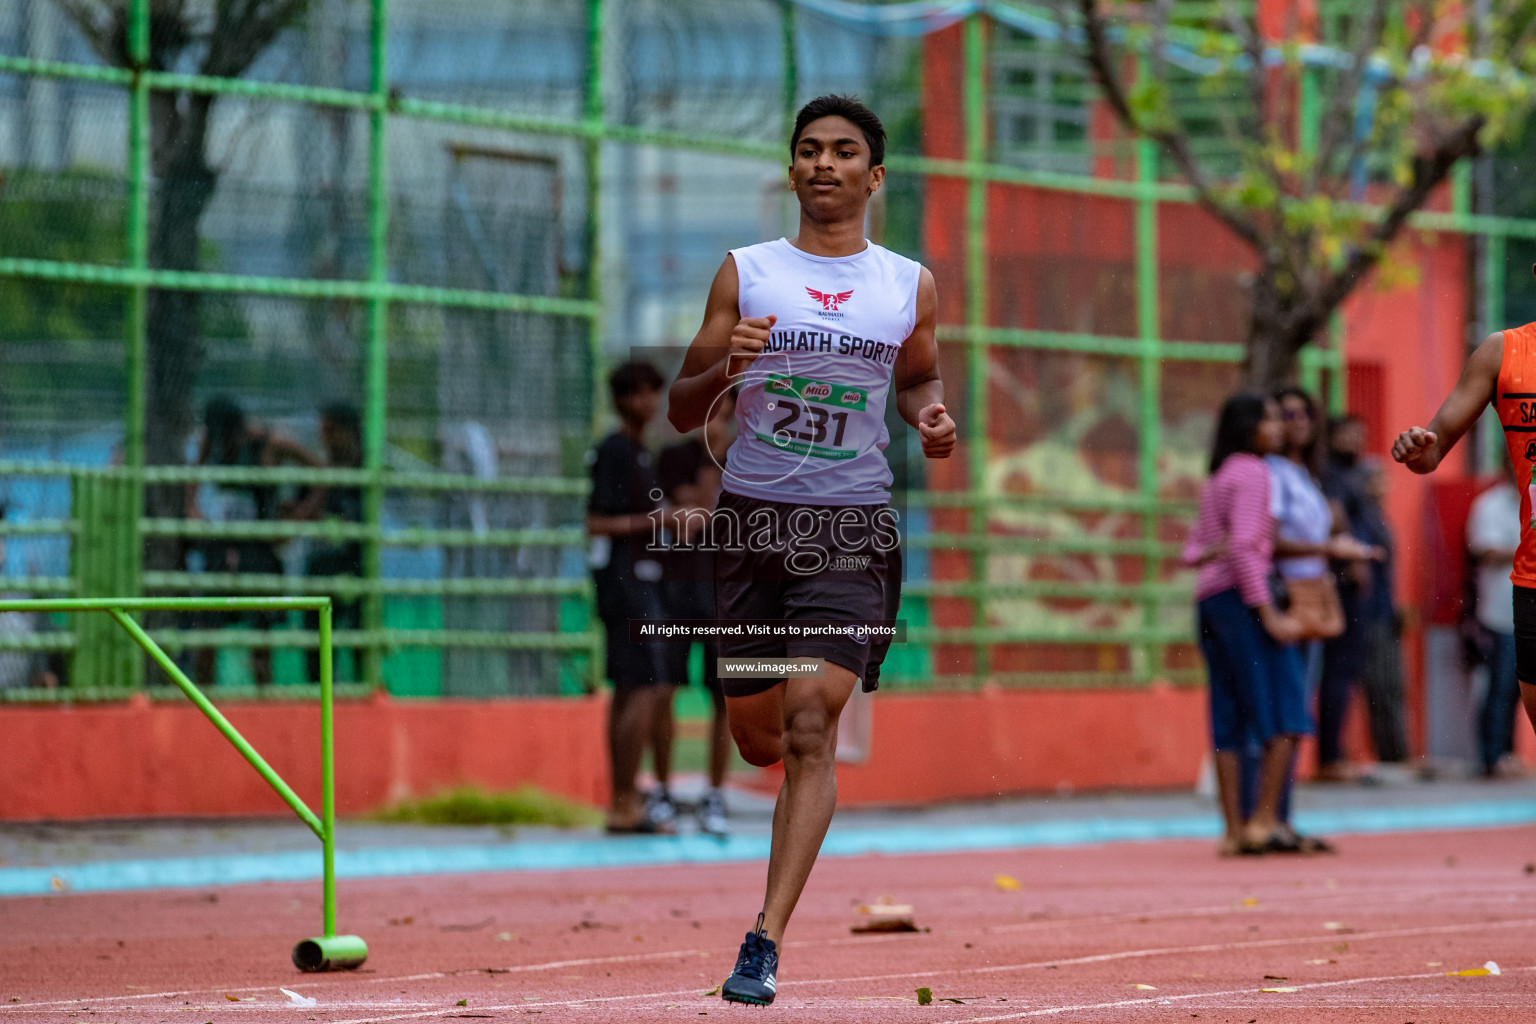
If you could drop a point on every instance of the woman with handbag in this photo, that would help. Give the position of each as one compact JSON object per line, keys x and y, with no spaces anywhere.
{"x":1308,"y":536}
{"x":1242,"y":633}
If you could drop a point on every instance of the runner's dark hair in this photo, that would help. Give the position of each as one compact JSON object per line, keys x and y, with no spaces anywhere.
{"x":1237,"y":427}
{"x":844,"y":106}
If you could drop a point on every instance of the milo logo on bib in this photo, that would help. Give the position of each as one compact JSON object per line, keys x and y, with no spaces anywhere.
{"x":818,"y":391}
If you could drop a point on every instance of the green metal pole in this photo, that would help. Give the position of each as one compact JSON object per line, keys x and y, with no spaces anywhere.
{"x":1495,"y":251}
{"x":976,"y":302}
{"x":220,"y":722}
{"x":377,"y":386}
{"x":594,"y":113}
{"x":1311,"y":113}
{"x":1338,"y":368}
{"x":791,"y":83}
{"x":138,"y":227}
{"x":1147,"y":659}
{"x":327,"y":774}
{"x":1312,"y":356}
{"x":1461,"y":192}
{"x":127,"y":527}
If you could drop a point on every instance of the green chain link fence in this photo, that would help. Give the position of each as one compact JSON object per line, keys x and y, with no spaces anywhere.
{"x":452,"y":217}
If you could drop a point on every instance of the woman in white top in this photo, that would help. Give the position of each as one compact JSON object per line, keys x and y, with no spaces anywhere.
{"x":1307,"y":536}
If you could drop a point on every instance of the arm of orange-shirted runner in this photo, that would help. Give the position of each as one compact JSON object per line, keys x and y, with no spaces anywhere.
{"x":919,"y":391}
{"x":1422,"y":448}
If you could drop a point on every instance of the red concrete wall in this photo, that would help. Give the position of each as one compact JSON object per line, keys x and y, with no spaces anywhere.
{"x":946,"y":746}
{"x":144,"y":759}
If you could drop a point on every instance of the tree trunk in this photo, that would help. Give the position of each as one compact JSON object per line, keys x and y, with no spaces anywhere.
{"x":175,"y":341}
{"x":1276,"y":332}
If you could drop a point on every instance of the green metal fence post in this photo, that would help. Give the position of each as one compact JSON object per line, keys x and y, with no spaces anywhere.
{"x":790,"y":86}
{"x":1495,"y":252}
{"x":976,"y":313}
{"x":1147,"y":659}
{"x":377,"y":386}
{"x":327,"y":774}
{"x":593,"y":115}
{"x":138,"y":311}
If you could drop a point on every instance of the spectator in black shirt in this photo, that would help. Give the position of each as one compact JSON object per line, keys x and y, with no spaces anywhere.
{"x":623,"y":520}
{"x":690,"y":472}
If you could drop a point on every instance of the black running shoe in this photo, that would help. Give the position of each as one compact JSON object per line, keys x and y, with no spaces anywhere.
{"x":753,"y":979}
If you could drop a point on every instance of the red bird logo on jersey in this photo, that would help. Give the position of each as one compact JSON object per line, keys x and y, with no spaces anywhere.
{"x":830,"y":300}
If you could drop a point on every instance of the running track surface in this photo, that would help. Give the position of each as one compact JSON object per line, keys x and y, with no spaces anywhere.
{"x":1367,"y":935}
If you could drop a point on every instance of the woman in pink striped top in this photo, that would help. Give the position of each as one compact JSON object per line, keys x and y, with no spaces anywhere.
{"x":1242,"y":633}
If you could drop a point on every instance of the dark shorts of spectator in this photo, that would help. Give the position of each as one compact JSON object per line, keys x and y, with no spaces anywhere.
{"x":762,"y":584}
{"x":1256,"y":685}
{"x":255,"y":557}
{"x":691,"y":599}
{"x":619,"y":599}
{"x":1525,"y":634}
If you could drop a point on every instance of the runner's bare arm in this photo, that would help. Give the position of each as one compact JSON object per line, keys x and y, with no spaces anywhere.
{"x":726,"y":344}
{"x":919,"y":391}
{"x":1421,"y":448}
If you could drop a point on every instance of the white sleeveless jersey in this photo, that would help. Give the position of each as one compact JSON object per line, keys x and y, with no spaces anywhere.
{"x":811,"y":413}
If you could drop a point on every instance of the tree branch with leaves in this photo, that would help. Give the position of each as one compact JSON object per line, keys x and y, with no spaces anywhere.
{"x":1403,"y":104}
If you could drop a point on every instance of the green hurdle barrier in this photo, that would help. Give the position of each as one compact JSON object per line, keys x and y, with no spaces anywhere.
{"x":329,"y":951}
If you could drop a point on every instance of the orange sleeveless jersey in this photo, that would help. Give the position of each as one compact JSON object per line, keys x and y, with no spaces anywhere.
{"x":1515,"y":402}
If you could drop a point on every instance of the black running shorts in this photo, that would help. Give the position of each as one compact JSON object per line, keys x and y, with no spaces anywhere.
{"x":1525,"y":635}
{"x":816,"y":564}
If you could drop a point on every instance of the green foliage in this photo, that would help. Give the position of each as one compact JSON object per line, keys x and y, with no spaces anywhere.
{"x":75,"y":216}
{"x":469,"y":806}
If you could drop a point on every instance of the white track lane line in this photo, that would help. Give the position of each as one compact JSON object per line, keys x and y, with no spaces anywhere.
{"x":676,"y":954}
{"x":1155,"y":1001}
{"x":1137,"y":954}
{"x":547,"y":966}
{"x":1098,"y":958}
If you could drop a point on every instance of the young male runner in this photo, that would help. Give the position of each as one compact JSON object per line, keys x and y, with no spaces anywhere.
{"x":818,"y":330}
{"x":1501,"y":372}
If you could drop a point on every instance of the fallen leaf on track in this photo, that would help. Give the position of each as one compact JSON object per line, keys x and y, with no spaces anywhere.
{"x":1475,"y":972}
{"x":924,"y":996}
{"x":1006,"y":883}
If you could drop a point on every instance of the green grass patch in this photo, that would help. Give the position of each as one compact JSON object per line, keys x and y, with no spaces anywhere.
{"x":466,"y":805}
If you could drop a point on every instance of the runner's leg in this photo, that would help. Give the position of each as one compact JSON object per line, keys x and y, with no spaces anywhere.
{"x":806,"y":741}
